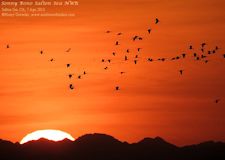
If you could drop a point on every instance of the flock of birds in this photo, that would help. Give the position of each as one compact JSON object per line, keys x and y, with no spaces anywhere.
{"x":68,"y":65}
{"x":202,"y":56}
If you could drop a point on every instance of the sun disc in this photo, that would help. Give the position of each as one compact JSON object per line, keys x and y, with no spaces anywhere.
{"x":50,"y":134}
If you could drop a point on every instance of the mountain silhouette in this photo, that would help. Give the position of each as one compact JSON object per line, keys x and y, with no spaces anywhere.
{"x":104,"y":147}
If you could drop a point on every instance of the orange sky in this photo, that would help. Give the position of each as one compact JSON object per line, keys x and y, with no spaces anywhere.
{"x":154,"y":99}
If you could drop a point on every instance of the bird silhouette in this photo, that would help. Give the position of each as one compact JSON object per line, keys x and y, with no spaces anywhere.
{"x":202,"y":50}
{"x":51,"y":60}
{"x":149,"y":59}
{"x":140,"y":38}
{"x":68,"y":65}
{"x":85,"y":72}
{"x":79,"y":77}
{"x":105,"y":68}
{"x":68,"y":50}
{"x":108,"y":31}
{"x":41,"y":52}
{"x":71,"y":86}
{"x":203,"y":45}
{"x":149,"y":30}
{"x":209,"y":52}
{"x":128,"y":50}
{"x":7,"y":46}
{"x":181,"y":71}
{"x":119,"y":33}
{"x":190,"y":47}
{"x":117,"y":43}
{"x":103,"y":60}
{"x":70,"y":76}
{"x":136,"y":56}
{"x":135,"y":61}
{"x":134,"y":38}
{"x":114,"y":54}
{"x":203,"y":56}
{"x":183,"y":55}
{"x":197,"y":58}
{"x":139,"y":49}
{"x":109,"y":60}
{"x":206,"y":61}
{"x":125,"y":58}
{"x":195,"y":54}
{"x":216,"y":48}
{"x":117,"y":88}
{"x":223,"y":55}
{"x":217,"y":100}
{"x":177,"y":57}
{"x":156,"y":21}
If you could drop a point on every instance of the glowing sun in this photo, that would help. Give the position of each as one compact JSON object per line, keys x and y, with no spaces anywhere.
{"x":50,"y":134}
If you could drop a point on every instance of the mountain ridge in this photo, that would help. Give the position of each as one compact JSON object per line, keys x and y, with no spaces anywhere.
{"x":105,"y":147}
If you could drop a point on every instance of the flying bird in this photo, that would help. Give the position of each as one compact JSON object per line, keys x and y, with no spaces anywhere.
{"x":183,"y":55}
{"x":173,"y":58}
{"x":68,"y":50}
{"x":128,"y":50}
{"x":117,"y":88}
{"x":109,"y":60}
{"x":177,"y":57}
{"x":70,"y":76}
{"x":216,"y":48}
{"x":119,"y":33}
{"x":71,"y":86}
{"x":134,"y":38}
{"x":140,"y":38}
{"x":149,"y":30}
{"x":135,"y":61}
{"x":190,"y":47}
{"x":217,"y":100}
{"x":108,"y":31}
{"x":149,"y":59}
{"x":51,"y":60}
{"x":105,"y":68}
{"x":156,"y":21}
{"x":117,"y":43}
{"x":126,"y":58}
{"x":181,"y":71}
{"x":203,"y":45}
{"x":7,"y":46}
{"x":67,"y":65}
{"x":41,"y":52}
{"x":103,"y":60}
{"x":139,"y":49}
{"x":79,"y":77}
{"x":195,"y":54}
{"x":136,"y":56}
{"x":203,"y":56}
{"x":122,"y":72}
{"x":114,"y":54}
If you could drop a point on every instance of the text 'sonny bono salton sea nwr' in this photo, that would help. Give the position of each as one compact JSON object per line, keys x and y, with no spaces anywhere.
{"x":39,"y":3}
